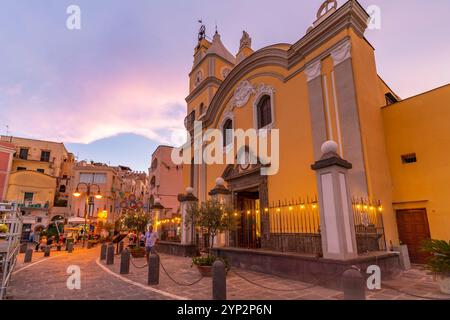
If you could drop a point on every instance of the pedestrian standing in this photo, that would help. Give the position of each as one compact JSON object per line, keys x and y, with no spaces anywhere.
{"x":151,"y":239}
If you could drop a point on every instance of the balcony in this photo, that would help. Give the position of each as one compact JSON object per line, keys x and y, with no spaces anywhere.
{"x":28,"y":205}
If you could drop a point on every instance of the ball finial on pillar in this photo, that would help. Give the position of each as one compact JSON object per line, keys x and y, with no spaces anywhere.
{"x":220,"y":182}
{"x":329,"y":146}
{"x":189,"y":190}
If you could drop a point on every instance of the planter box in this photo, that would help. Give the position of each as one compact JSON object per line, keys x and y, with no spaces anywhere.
{"x":205,"y":271}
{"x":402,"y":250}
{"x":137,"y":253}
{"x":177,"y":249}
{"x":444,"y":283}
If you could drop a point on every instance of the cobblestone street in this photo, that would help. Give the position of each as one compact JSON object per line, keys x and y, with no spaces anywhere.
{"x":46,"y":279}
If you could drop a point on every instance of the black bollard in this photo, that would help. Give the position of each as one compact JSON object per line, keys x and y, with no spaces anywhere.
{"x":353,"y":284}
{"x":103,"y":251}
{"x":125,"y":262}
{"x":89,"y":245}
{"x":47,"y":251}
{"x":28,"y":256}
{"x":110,"y":254}
{"x":70,"y":247}
{"x":58,"y":247}
{"x":23,"y":248}
{"x":120,"y":247}
{"x":219,"y":281}
{"x":153,"y":269}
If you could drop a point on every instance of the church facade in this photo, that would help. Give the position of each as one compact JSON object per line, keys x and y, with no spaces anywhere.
{"x":323,"y":87}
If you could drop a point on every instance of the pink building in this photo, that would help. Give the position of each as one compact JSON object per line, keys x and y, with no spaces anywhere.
{"x":6,"y":156}
{"x":166,"y":179}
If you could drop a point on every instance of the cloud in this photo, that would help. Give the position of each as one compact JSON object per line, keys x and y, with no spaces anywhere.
{"x":11,"y":90}
{"x":89,"y":112}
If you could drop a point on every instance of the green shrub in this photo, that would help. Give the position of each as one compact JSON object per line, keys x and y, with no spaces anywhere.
{"x":4,"y":228}
{"x":439,"y":261}
{"x":208,"y":261}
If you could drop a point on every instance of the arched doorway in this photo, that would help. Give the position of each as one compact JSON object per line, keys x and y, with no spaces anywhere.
{"x":249,"y":198}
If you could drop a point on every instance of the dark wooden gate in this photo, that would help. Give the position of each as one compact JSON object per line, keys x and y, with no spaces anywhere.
{"x":413,"y":229}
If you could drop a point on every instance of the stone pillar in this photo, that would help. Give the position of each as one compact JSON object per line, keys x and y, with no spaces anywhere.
{"x":157,"y":210}
{"x":187,"y":226}
{"x":221,"y":194}
{"x":336,"y":216}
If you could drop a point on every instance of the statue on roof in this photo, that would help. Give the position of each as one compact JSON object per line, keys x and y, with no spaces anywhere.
{"x":202,"y":31}
{"x":246,"y":41}
{"x":327,"y":6}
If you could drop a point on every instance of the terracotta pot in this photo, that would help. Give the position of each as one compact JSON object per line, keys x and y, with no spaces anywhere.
{"x":444,"y":283}
{"x":205,"y":271}
{"x":137,"y":253}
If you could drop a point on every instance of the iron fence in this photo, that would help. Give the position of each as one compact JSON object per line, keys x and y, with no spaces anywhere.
{"x":369,"y":227}
{"x":294,"y":226}
{"x":9,"y":243}
{"x":288,"y":226}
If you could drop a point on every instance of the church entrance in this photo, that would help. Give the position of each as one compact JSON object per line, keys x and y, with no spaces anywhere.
{"x":249,"y":198}
{"x":248,"y":231}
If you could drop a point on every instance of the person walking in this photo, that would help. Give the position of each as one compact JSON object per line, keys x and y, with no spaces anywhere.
{"x":151,"y":239}
{"x":42,"y":243}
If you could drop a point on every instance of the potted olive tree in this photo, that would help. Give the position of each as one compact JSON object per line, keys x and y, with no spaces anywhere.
{"x":214,"y":218}
{"x":136,"y":220}
{"x":3,"y":231}
{"x":439,"y":262}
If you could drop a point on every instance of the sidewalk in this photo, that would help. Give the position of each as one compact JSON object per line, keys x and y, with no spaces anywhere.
{"x":237,"y":288}
{"x":414,"y":284}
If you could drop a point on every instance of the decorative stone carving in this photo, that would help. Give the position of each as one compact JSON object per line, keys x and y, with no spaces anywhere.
{"x":313,"y":70}
{"x":341,"y":53}
{"x":225,"y":72}
{"x":198,"y":77}
{"x":264,"y":89}
{"x":246,"y":41}
{"x":242,"y":93}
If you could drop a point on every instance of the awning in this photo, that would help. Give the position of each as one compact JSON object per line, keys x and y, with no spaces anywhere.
{"x":75,"y":220}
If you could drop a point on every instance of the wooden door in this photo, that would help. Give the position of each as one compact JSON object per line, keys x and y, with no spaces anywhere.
{"x":413,"y":229}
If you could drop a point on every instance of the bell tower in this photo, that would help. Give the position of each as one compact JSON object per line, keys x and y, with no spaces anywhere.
{"x":212,"y":64}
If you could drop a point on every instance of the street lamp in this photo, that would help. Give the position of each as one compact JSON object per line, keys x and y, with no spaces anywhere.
{"x":78,"y":194}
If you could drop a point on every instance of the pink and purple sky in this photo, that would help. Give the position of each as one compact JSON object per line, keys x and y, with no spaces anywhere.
{"x":115,"y":89}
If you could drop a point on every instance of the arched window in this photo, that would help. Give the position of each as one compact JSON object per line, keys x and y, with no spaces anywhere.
{"x":153,"y":182}
{"x":62,"y":189}
{"x":154,"y":164}
{"x":152,"y":200}
{"x":227,"y":132}
{"x":264,"y":112}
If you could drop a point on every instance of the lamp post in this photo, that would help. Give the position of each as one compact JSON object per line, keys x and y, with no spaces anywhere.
{"x":77,"y":194}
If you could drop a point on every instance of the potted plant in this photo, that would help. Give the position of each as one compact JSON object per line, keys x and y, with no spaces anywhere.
{"x":204,"y":264}
{"x":136,"y":220}
{"x":3,"y":231}
{"x":439,"y":262}
{"x":3,"y":228}
{"x":214,"y":218}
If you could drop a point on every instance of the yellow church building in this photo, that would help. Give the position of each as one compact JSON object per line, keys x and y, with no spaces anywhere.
{"x":323,"y":87}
